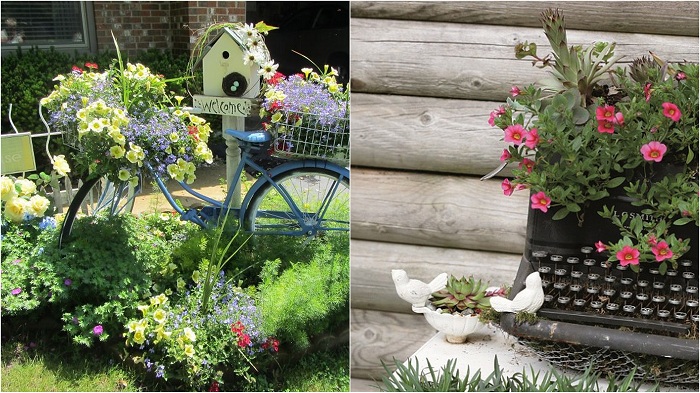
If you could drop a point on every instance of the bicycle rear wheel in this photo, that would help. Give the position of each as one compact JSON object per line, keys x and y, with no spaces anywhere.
{"x":319,"y":202}
{"x":98,"y":196}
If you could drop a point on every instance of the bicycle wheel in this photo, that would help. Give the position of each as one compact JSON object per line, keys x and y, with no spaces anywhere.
{"x":98,"y":196}
{"x":319,"y":202}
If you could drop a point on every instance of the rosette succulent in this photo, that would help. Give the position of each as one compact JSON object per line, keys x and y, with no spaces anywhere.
{"x":462,"y":294}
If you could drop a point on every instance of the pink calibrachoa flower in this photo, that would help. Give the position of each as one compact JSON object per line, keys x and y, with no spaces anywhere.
{"x":671,"y":111}
{"x":540,"y":201}
{"x":16,"y":291}
{"x":605,"y":127}
{"x":97,"y":330}
{"x":497,"y":113}
{"x":532,"y":138}
{"x":505,"y":156}
{"x":514,"y":91}
{"x":680,"y":75}
{"x":528,"y":164}
{"x":652,"y":240}
{"x":662,"y":251}
{"x":606,"y":112}
{"x":647,"y":91}
{"x":628,"y":255}
{"x":507,"y":187}
{"x":619,"y":119}
{"x":515,"y":133}
{"x":600,"y":246}
{"x":653,"y":151}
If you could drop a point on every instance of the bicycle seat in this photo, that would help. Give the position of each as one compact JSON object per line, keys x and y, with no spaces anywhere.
{"x":260,"y":136}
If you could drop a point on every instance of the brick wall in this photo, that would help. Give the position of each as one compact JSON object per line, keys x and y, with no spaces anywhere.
{"x":166,"y":25}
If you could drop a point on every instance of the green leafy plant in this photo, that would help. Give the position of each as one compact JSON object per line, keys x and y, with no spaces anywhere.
{"x":410,"y":377}
{"x":309,"y":297}
{"x":593,"y":129}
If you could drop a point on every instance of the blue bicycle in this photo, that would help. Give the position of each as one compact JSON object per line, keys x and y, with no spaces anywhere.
{"x":304,"y":197}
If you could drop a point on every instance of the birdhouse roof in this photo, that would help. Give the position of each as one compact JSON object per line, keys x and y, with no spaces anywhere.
{"x":225,"y":30}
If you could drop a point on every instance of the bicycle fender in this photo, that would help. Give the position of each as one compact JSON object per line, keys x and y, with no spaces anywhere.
{"x":288,"y":166}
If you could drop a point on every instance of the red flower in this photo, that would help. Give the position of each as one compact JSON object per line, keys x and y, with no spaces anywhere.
{"x":606,"y":112}
{"x":237,"y":328}
{"x":661,"y":251}
{"x":244,"y":341}
{"x":507,"y":187}
{"x":515,"y":133}
{"x":532,"y":138}
{"x":540,"y":201}
{"x":505,"y":155}
{"x":514,"y":91}
{"x":91,"y":65}
{"x":671,"y":111}
{"x":271,"y":343}
{"x":214,"y":387}
{"x":628,"y":255}
{"x":647,"y":91}
{"x":528,"y":164}
{"x":605,"y":127}
{"x":77,"y":69}
{"x":600,"y":246}
{"x":653,"y":151}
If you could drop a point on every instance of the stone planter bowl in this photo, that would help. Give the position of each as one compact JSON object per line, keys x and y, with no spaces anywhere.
{"x":455,"y":327}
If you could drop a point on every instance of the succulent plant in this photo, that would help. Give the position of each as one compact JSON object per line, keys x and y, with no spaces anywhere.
{"x":462,"y":294}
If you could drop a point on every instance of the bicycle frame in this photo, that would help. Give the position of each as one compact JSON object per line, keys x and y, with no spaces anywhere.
{"x":215,"y":206}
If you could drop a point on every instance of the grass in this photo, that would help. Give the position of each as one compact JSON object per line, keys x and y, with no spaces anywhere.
{"x":325,"y":371}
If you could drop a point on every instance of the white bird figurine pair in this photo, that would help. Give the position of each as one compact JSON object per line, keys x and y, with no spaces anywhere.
{"x":529,"y":299}
{"x":414,"y":291}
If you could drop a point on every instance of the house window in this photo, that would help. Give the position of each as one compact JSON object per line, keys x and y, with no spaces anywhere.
{"x":61,"y":24}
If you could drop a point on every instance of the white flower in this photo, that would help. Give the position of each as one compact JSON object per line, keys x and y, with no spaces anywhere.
{"x":8,"y":188}
{"x":26,"y":187}
{"x":268,"y":69}
{"x":37,"y":205}
{"x":15,"y":208}
{"x":189,"y":334}
{"x":60,"y":165}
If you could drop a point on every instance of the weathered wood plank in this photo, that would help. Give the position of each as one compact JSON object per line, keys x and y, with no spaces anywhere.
{"x":380,"y":336}
{"x":363,"y":385}
{"x":437,"y":210}
{"x":469,"y":61}
{"x":677,"y":17}
{"x":425,"y":134}
{"x":372,"y":262}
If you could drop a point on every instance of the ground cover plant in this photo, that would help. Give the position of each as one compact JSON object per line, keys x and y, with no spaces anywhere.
{"x":127,"y":291}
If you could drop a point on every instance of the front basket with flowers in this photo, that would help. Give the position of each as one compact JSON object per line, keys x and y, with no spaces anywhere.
{"x":124,"y":117}
{"x":307,"y":113}
{"x":609,"y":156}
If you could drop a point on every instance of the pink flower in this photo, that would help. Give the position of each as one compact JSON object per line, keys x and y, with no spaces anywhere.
{"x":97,"y":330}
{"x":606,"y":112}
{"x":532,"y":138}
{"x":244,"y":341}
{"x":661,"y":251}
{"x":507,"y":187}
{"x":515,"y":133}
{"x":647,"y":91}
{"x":653,"y":151}
{"x":540,"y":201}
{"x":680,"y":76}
{"x":514,"y":91}
{"x":619,"y":118}
{"x":497,"y":113}
{"x":605,"y":127}
{"x":600,"y":246}
{"x":671,"y":111}
{"x":505,"y":155}
{"x":628,"y":255}
{"x":652,"y":240}
{"x":16,"y":291}
{"x":528,"y":164}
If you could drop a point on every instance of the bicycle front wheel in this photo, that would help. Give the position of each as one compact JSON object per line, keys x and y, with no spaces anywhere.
{"x":98,"y":196}
{"x":304,"y":201}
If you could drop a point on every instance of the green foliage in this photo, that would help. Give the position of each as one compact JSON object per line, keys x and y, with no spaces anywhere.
{"x":462,"y":294}
{"x":411,"y":377}
{"x":308,"y":297}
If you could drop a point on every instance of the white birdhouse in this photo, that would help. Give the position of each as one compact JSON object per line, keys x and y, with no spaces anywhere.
{"x":223,"y":67}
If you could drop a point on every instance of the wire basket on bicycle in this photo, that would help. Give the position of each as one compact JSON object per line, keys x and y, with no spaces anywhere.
{"x":307,"y":135}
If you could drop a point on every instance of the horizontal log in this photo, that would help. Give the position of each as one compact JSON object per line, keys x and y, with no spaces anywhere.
{"x":363,"y":385}
{"x":469,"y":61}
{"x":437,"y":210}
{"x":425,"y":134}
{"x":380,"y":336}
{"x":372,"y":263}
{"x":678,"y":18}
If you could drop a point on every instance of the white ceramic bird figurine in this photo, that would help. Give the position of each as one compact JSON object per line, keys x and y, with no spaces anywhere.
{"x":529,"y":299}
{"x":414,"y":291}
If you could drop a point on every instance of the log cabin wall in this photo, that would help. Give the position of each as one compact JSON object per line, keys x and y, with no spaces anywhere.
{"x":425,"y":76}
